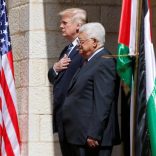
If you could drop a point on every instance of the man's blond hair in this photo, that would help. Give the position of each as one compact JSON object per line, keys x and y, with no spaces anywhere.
{"x":77,"y":15}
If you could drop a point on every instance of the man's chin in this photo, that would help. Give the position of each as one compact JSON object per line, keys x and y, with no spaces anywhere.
{"x":63,"y":34}
{"x":82,"y":53}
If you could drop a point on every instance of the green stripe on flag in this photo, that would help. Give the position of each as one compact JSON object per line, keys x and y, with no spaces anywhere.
{"x":151,"y":116}
{"x":124,"y":64}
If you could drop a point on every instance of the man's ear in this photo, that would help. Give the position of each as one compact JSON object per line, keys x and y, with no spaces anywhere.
{"x":78,"y":27}
{"x":95,"y":43}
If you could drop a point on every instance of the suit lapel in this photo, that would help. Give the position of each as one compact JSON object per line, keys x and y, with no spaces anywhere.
{"x":71,"y":55}
{"x":63,"y":52}
{"x":84,"y":68}
{"x":73,"y":52}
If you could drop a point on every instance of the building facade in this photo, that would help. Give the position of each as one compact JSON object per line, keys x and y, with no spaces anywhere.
{"x":36,"y":43}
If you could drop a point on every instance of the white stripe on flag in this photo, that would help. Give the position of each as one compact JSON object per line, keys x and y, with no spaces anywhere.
{"x":133,"y":27}
{"x":3,"y":152}
{"x":9,"y":126}
{"x":9,"y":78}
{"x":149,"y":58}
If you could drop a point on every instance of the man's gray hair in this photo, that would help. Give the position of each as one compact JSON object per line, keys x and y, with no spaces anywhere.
{"x":78,"y":15}
{"x":94,"y":30}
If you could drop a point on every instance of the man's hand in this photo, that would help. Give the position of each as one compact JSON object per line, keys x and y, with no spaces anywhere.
{"x":92,"y":142}
{"x":62,"y":63}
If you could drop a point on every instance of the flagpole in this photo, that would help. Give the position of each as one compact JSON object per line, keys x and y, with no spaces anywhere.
{"x":137,"y":37}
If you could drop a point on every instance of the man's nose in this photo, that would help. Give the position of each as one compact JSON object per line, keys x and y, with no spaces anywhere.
{"x":61,"y":25}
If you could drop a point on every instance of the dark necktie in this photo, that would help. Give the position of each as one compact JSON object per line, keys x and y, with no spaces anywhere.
{"x":85,"y":62}
{"x":69,"y":49}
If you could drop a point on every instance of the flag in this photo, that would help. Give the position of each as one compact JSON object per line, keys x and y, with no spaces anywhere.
{"x":9,"y":129}
{"x":126,"y":41}
{"x":141,"y":128}
{"x":145,"y":116}
{"x":125,"y":68}
{"x":150,"y":77}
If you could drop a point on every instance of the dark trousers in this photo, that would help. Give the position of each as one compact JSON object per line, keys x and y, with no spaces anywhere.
{"x":75,"y":150}
{"x":67,"y":149}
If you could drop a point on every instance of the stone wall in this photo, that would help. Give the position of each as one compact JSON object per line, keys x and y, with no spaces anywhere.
{"x":36,"y":43}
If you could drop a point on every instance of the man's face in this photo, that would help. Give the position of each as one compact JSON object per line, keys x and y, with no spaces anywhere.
{"x":68,"y":27}
{"x":86,"y":45}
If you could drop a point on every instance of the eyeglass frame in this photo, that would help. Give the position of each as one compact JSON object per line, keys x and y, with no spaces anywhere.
{"x":81,"y":42}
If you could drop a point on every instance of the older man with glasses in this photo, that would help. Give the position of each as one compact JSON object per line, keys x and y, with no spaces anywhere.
{"x":90,"y":109}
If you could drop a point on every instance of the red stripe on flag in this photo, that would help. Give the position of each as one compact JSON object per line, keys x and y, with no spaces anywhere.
{"x":125,"y":22}
{"x":10,"y":59}
{"x":10,"y":105}
{"x":8,"y":147}
{"x":0,"y":120}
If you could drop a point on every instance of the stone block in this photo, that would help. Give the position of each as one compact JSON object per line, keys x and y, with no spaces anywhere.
{"x":37,"y":72}
{"x":112,"y":42}
{"x":37,"y":16}
{"x":51,"y":16}
{"x":13,"y":3}
{"x":55,"y":44}
{"x":41,"y":149}
{"x":45,"y":1}
{"x":45,"y":45}
{"x":153,"y":16}
{"x":153,"y":3}
{"x":17,"y":74}
{"x":154,"y":37}
{"x":20,"y":46}
{"x":34,"y":129}
{"x":22,"y":100}
{"x":23,"y":124}
{"x":38,"y":44}
{"x":24,"y":17}
{"x":24,"y":72}
{"x":110,"y":17}
{"x":46,"y":131}
{"x":21,"y":73}
{"x":22,"y":2}
{"x":93,"y":13}
{"x":49,"y":65}
{"x":14,"y":21}
{"x":99,"y":2}
{"x":40,"y":100}
{"x":24,"y":149}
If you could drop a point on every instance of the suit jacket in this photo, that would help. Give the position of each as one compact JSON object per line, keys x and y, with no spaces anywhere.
{"x":90,"y":108}
{"x":60,"y":85}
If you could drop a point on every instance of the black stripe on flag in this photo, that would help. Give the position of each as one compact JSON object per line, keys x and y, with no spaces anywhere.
{"x":142,"y":137}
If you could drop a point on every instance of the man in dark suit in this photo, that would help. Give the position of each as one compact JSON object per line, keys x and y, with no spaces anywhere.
{"x":63,"y":70}
{"x":90,"y":109}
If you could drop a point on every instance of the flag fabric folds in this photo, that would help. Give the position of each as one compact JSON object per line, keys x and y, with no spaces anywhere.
{"x":126,"y":41}
{"x":150,"y":77}
{"x":125,"y":68}
{"x":141,"y":129}
{"x":145,"y":116}
{"x":9,"y":129}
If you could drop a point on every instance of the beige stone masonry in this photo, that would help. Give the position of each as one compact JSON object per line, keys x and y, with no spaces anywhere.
{"x":36,"y":44}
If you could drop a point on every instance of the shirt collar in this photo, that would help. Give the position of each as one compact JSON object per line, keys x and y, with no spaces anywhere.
{"x":95,"y":53}
{"x":75,"y":42}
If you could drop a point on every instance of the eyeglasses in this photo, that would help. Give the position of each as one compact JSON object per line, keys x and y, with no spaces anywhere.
{"x":83,"y":41}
